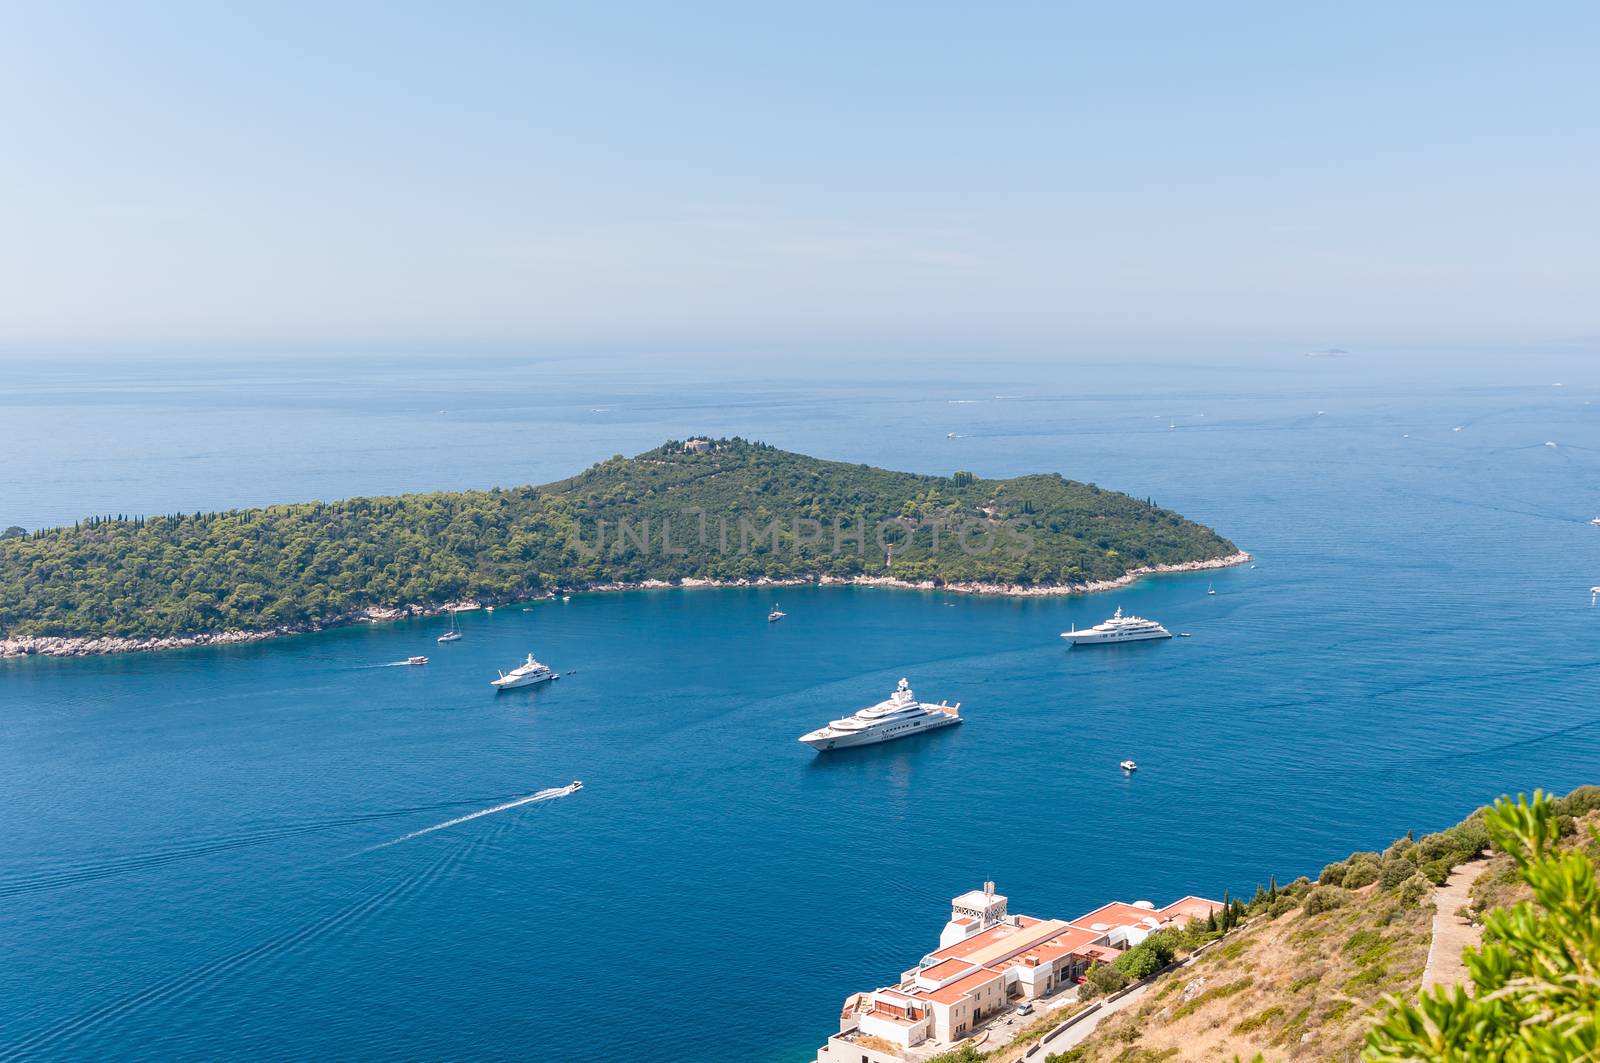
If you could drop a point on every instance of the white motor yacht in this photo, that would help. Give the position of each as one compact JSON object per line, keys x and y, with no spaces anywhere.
{"x":897,"y":716}
{"x":525,"y":674}
{"x":1118,"y":629}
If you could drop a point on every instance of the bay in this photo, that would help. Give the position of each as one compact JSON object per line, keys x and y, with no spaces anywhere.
{"x":189,"y":845}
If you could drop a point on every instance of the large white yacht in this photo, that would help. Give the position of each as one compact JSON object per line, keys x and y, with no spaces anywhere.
{"x":1118,"y":629}
{"x":895,"y":717}
{"x":524,"y":675}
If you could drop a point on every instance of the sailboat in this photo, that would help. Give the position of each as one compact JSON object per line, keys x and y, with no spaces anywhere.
{"x":1210,"y":589}
{"x":776,"y":615}
{"x":454,"y":633}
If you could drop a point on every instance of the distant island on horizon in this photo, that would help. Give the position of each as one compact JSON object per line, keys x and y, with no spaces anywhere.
{"x":697,"y":512}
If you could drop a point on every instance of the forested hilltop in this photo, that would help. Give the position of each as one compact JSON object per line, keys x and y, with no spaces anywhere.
{"x":723,"y":510}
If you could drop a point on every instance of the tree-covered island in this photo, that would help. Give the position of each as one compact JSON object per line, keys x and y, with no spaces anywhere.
{"x":725,"y":511}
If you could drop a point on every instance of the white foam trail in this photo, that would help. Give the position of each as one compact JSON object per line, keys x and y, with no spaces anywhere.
{"x":542,"y":795}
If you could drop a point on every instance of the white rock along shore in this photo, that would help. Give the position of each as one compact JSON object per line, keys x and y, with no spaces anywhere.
{"x":70,"y":646}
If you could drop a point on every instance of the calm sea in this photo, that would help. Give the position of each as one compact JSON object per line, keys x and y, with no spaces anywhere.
{"x":192,"y":858}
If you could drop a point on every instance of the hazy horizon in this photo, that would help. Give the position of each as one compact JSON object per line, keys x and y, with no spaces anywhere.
{"x":715,"y":177}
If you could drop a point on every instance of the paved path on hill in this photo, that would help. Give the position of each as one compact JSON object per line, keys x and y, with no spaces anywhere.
{"x":1085,"y":1026}
{"x":1451,"y":933}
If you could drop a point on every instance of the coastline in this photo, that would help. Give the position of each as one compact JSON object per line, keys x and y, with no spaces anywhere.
{"x":101,"y":645}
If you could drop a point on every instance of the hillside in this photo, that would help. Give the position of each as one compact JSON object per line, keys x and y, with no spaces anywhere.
{"x":725,"y":511}
{"x":1306,"y":977}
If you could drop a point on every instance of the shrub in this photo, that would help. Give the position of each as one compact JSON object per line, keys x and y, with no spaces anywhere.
{"x":1300,"y":886}
{"x":1580,"y":801}
{"x":1471,"y":836}
{"x":1333,"y":874}
{"x":1435,"y":846}
{"x":1284,"y":903}
{"x":1359,"y":875}
{"x":1415,"y":888}
{"x":1438,"y":871}
{"x":1394,"y":872}
{"x":1324,"y":899}
{"x":1101,"y":978}
{"x":1147,"y":957}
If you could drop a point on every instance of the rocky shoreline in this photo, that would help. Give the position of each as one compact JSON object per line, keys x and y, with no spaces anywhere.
{"x":68,"y":646}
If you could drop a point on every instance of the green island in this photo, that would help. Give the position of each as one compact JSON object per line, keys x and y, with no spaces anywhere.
{"x":722,"y":511}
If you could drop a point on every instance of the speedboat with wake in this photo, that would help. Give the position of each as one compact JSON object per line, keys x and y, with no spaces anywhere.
{"x":897,"y":716}
{"x":525,"y":674}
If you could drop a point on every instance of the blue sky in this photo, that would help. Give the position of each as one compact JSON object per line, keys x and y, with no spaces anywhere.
{"x":690,"y":173}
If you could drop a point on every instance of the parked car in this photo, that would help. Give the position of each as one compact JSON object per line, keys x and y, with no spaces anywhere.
{"x":1025,"y":1008}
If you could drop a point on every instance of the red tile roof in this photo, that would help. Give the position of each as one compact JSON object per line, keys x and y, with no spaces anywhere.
{"x":944,"y":969}
{"x":962,"y":986}
{"x":1118,"y":914}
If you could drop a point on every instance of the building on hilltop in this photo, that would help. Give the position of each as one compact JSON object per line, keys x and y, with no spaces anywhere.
{"x":987,"y":960}
{"x":696,"y":446}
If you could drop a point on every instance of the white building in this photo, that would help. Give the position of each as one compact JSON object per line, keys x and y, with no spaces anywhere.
{"x":987,"y":960}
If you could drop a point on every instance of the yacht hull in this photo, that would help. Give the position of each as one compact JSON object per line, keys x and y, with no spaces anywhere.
{"x":826,"y":738}
{"x":1081,"y":638}
{"x":513,"y":682}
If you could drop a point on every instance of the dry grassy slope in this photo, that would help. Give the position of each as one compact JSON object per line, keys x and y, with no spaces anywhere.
{"x":1298,"y":987}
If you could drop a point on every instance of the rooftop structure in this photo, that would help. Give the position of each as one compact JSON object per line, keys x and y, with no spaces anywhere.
{"x":986,"y":960}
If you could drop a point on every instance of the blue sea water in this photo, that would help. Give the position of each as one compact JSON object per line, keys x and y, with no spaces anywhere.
{"x":192,"y":857}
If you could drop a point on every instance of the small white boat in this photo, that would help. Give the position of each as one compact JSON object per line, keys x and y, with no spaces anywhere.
{"x":776,"y":615}
{"x":1596,"y":521}
{"x":1210,"y":589}
{"x":577,"y":784}
{"x":416,"y":660}
{"x":566,"y":597}
{"x":454,"y":634}
{"x":525,"y":674}
{"x":1549,"y":443}
{"x":1128,"y":765}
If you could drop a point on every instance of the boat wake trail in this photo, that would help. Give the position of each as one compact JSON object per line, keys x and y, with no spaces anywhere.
{"x":543,"y":795}
{"x":75,"y":874}
{"x":191,"y":983}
